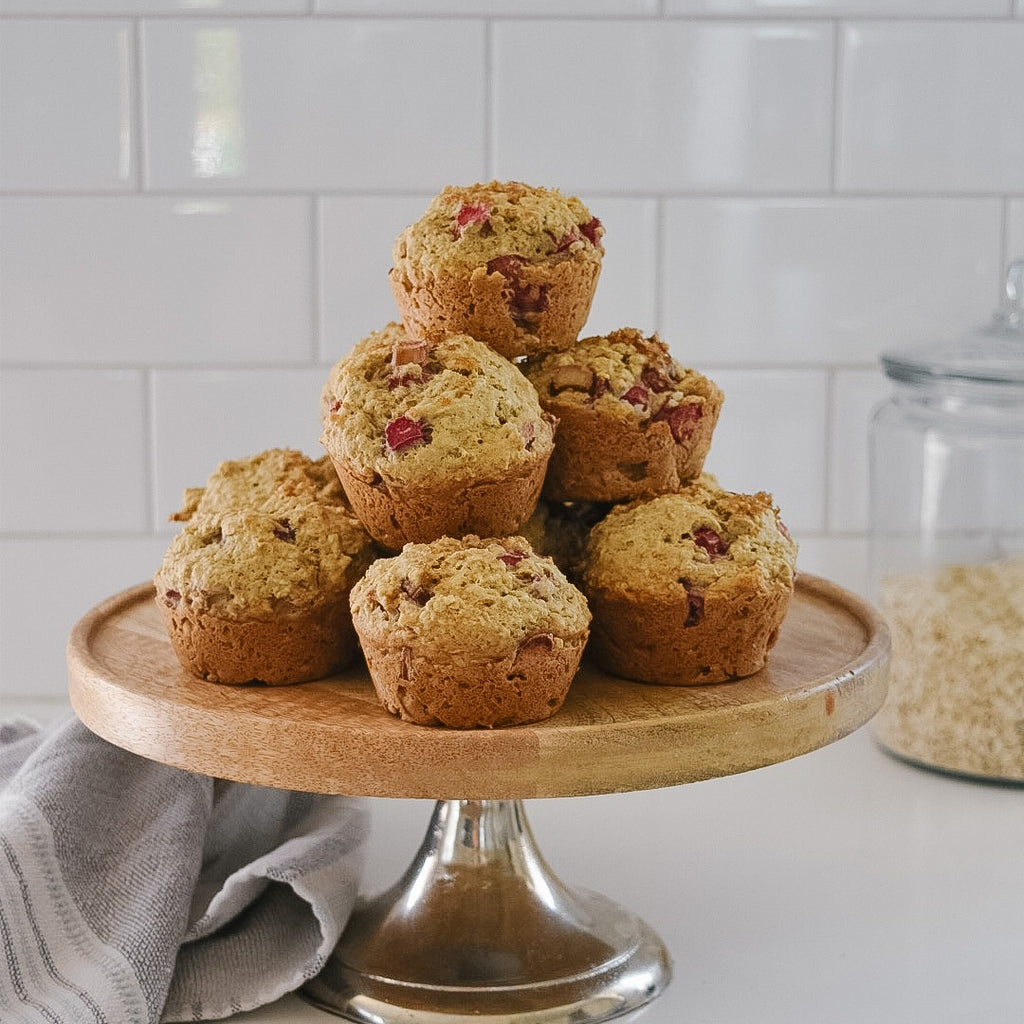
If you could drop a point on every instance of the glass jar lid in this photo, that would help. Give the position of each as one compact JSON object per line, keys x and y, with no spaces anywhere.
{"x":993,"y":354}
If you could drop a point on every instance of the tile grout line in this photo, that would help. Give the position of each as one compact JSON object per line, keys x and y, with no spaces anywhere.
{"x":827,"y":439}
{"x":747,"y":366}
{"x":830,"y":380}
{"x":583,"y":16}
{"x":660,"y":265}
{"x":774,"y":195}
{"x":837,"y":78}
{"x":1004,"y":251}
{"x":88,"y":536}
{"x":489,"y":133}
{"x":138,"y":110}
{"x":149,"y":431}
{"x":316,"y":282}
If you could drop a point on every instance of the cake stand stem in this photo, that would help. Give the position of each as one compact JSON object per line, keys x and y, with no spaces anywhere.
{"x":478,"y":926}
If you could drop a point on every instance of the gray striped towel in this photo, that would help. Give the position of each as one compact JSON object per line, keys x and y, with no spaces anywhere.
{"x":132,"y":893}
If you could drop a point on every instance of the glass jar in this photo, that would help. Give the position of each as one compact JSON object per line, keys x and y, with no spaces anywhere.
{"x":947,"y":547}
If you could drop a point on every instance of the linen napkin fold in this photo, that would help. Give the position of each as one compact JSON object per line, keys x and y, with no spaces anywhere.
{"x":133,"y":893}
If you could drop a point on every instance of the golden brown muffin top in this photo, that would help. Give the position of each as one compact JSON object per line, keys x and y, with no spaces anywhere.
{"x":623,"y":374}
{"x":471,"y":596}
{"x":250,"y":563}
{"x":698,"y":538}
{"x":468,"y":226}
{"x":270,"y":477}
{"x":410,"y":410}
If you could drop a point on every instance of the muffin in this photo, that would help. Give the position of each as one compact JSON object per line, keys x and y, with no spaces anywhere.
{"x":435,"y":438}
{"x":511,"y":265}
{"x":250,"y":595}
{"x":272,"y":476}
{"x":689,"y":588}
{"x":632,"y":421}
{"x":470,"y":633}
{"x":560,"y":530}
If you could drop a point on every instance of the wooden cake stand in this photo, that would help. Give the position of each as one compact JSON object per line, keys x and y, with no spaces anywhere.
{"x":479,"y":926}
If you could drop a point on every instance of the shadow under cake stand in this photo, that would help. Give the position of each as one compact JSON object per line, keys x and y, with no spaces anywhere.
{"x":479,"y":926}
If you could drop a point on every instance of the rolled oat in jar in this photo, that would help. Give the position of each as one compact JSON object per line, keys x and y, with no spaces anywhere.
{"x":956,"y":680}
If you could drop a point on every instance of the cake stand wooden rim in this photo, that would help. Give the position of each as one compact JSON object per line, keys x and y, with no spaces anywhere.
{"x":825,"y":678}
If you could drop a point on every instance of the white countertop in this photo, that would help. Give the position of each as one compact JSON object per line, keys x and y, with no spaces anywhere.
{"x":843,"y":887}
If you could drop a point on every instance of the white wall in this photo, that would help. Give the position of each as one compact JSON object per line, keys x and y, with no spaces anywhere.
{"x":198,"y":200}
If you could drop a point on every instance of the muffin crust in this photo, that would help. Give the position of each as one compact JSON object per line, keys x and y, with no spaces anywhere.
{"x":263,"y":595}
{"x":512,"y":265}
{"x":690,"y":587}
{"x":437,"y":438}
{"x":470,"y":633}
{"x":632,"y":420}
{"x":272,"y":477}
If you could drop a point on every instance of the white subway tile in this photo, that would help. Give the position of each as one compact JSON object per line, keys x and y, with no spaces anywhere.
{"x":823,"y":280}
{"x":771,"y":437}
{"x":155,"y":280}
{"x":627,"y":288}
{"x":356,"y":235}
{"x":669,"y":105}
{"x":313,"y":104}
{"x":66,"y":105}
{"x":931,"y":107}
{"x":202,"y":417}
{"x":58,"y":581}
{"x":73,"y":453}
{"x":510,"y":8}
{"x":1015,"y":231}
{"x":855,"y":394}
{"x":844,"y":560}
{"x":842,"y":8}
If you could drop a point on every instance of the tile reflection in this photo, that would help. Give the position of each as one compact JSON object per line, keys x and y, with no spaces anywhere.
{"x":218,"y":134}
{"x":124,"y":131}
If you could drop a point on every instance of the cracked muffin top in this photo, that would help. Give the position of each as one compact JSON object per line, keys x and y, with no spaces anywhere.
{"x":627,"y":375}
{"x":469,"y":226}
{"x":474,"y":596}
{"x":252,"y":563}
{"x":698,"y":537}
{"x":410,"y":410}
{"x":272,"y":477}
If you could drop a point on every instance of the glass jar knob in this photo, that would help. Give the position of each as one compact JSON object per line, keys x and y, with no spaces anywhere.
{"x":1013,"y":313}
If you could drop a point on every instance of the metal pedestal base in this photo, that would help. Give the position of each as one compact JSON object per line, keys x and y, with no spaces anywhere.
{"x":479,"y":927}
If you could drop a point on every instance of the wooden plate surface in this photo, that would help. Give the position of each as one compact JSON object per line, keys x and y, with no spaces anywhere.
{"x":825,"y":678}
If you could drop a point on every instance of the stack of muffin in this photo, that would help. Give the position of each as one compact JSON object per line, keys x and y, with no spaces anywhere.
{"x":510,"y":491}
